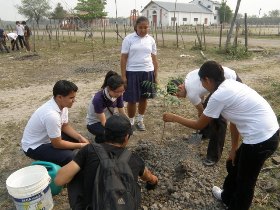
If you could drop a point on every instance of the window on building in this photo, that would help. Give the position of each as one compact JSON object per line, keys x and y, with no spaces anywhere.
{"x":215,"y":17}
{"x":209,"y":6}
{"x":173,"y":19}
{"x":185,"y":19}
{"x":195,"y":19}
{"x":217,"y":8}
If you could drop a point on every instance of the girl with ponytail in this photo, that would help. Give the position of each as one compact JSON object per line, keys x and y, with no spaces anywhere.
{"x":104,"y":103}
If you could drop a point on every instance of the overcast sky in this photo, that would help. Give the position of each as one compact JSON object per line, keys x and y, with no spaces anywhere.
{"x":251,"y":7}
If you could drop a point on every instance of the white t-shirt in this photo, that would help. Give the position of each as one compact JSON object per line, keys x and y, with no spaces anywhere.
{"x":12,"y":36}
{"x":139,"y":50}
{"x":243,"y":106}
{"x":45,"y":123}
{"x":20,"y":30}
{"x":194,"y":88}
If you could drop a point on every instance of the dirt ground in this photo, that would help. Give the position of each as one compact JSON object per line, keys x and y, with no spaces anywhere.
{"x":27,"y":81}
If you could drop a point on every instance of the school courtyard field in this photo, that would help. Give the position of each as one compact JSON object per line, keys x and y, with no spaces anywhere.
{"x":26,"y":82}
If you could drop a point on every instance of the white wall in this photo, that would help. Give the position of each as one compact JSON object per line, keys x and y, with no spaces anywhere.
{"x":190,"y":18}
{"x":166,"y":20}
{"x":212,"y":6}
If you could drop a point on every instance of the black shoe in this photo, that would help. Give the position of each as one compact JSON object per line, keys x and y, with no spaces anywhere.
{"x":208,"y":162}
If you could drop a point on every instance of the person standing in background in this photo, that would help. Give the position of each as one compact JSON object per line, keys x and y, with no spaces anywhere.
{"x":20,"y":33}
{"x":27,"y":34}
{"x":138,"y":64}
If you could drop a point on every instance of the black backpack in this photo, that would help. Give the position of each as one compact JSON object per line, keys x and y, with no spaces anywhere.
{"x":114,"y":185}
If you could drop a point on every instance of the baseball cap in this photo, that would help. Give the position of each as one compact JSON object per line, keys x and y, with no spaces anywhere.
{"x":118,"y":125}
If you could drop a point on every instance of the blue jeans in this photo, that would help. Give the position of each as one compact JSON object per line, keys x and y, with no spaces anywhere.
{"x":239,"y":185}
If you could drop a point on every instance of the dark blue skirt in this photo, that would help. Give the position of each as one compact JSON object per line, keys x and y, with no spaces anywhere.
{"x":140,"y":84}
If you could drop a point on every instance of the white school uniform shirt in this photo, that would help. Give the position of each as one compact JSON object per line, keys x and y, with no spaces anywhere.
{"x":243,"y":106}
{"x":12,"y":36}
{"x":45,"y":123}
{"x":194,"y":88}
{"x":139,"y":50}
{"x":20,"y":30}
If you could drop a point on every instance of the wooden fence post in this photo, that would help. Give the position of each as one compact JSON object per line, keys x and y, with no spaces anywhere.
{"x":221,"y":33}
{"x":204,"y":42}
{"x":156,"y":33}
{"x":246,"y":32}
{"x":177,"y":42}
{"x":162,"y":35}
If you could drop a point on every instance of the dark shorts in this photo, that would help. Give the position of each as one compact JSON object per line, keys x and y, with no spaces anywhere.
{"x":137,"y":88}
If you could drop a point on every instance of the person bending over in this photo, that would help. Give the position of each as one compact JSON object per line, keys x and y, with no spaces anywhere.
{"x":192,"y":89}
{"x":80,"y":173}
{"x":251,"y":117}
{"x":103,"y":104}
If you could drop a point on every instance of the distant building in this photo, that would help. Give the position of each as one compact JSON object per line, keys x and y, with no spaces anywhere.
{"x":197,"y":12}
{"x":214,"y":6}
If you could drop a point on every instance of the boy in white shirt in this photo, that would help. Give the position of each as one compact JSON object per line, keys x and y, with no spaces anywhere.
{"x":14,"y":40}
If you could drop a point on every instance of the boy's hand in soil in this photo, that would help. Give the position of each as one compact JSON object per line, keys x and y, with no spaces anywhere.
{"x":151,"y":185}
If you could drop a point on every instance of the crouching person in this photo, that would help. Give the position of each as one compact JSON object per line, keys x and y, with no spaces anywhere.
{"x":90,"y":187}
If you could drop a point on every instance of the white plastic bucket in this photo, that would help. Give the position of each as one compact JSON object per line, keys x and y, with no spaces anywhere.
{"x":30,"y":188}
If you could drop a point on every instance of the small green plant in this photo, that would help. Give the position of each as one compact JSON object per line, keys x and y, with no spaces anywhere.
{"x":238,"y":53}
{"x":167,"y":93}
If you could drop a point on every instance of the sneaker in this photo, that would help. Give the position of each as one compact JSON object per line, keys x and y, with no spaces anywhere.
{"x":140,"y":126}
{"x":208,"y":162}
{"x":217,"y":192}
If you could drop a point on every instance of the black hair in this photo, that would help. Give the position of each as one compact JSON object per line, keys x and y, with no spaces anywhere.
{"x":112,"y":138}
{"x":213,"y":71}
{"x":172,"y":85}
{"x":23,"y":23}
{"x":140,"y":20}
{"x":113,"y":80}
{"x":17,"y":22}
{"x":64,"y":88}
{"x":117,"y":127}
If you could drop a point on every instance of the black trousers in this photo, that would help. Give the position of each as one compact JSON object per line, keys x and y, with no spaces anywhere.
{"x":216,"y":132}
{"x":239,"y":184}
{"x":14,"y":43}
{"x":21,"y":41}
{"x":46,"y":152}
{"x":98,"y":130}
